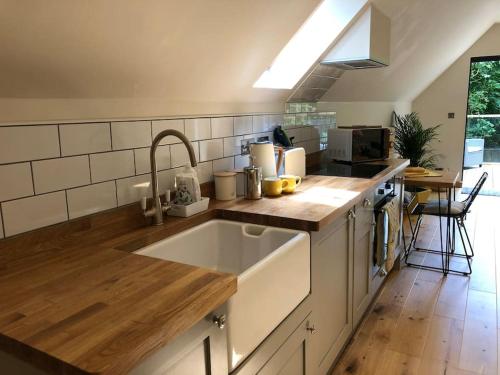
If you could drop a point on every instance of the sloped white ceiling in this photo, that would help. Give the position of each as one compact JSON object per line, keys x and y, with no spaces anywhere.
{"x":427,"y":36}
{"x":194,"y":51}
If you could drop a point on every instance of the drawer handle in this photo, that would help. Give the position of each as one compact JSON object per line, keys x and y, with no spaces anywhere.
{"x":220,"y":321}
{"x":367,"y":203}
{"x":310,"y":328}
{"x":351,"y":215}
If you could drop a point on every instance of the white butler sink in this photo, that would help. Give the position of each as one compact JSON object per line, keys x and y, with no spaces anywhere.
{"x":273,"y":269}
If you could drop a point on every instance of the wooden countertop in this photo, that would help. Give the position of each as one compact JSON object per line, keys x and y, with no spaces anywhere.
{"x":76,"y":301}
{"x":318,"y":201}
{"x":449,"y":179}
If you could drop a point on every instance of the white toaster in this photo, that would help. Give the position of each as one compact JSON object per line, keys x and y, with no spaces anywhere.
{"x":294,"y":162}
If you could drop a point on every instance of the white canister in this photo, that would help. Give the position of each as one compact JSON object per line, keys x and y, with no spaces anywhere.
{"x":225,"y":186}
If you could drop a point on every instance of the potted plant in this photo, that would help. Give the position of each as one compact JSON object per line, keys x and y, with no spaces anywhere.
{"x":412,"y":141}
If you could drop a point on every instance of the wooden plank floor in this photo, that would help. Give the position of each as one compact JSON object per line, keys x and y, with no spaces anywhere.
{"x":424,"y":323}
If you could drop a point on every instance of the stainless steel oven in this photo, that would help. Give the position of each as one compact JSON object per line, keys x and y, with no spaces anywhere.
{"x":384,"y":194}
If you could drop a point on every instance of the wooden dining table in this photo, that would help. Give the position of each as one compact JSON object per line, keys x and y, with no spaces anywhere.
{"x":448,"y":180}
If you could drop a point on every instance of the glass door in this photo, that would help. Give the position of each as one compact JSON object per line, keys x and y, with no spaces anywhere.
{"x":482,"y":133}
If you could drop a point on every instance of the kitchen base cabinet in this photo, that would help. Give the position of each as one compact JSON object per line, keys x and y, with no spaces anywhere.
{"x":287,"y":350}
{"x":202,"y":350}
{"x":361,"y":296}
{"x":363,"y":244}
{"x":331,"y":287}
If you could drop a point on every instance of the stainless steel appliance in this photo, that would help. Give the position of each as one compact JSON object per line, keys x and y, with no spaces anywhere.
{"x":253,"y":182}
{"x":384,"y":193}
{"x":358,"y":144}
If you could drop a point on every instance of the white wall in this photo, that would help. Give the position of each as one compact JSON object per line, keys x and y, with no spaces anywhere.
{"x":364,"y":113}
{"x":80,"y":59}
{"x":448,"y":93}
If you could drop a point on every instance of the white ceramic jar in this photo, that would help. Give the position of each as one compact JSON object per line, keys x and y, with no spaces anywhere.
{"x":225,"y":186}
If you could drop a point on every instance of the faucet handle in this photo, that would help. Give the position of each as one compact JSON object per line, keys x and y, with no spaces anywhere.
{"x":144,"y":203}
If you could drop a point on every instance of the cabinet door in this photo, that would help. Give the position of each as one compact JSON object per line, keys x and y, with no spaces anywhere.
{"x":293,"y":357}
{"x":202,"y":350}
{"x":361,"y":276}
{"x":287,"y":349}
{"x":331,"y":290}
{"x":363,"y":243}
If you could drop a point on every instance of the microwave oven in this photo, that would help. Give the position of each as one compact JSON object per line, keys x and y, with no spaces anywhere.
{"x":358,"y":144}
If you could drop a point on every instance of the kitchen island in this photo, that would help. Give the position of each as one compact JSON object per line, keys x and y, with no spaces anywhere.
{"x":75,"y":300}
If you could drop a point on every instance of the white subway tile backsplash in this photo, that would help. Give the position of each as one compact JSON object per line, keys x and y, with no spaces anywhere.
{"x":111,"y":165}
{"x":175,"y":124}
{"x":197,"y":128}
{"x":232,"y":146}
{"x":26,"y":214}
{"x":16,"y":181}
{"x":132,"y":189}
{"x":276,"y":120}
{"x":166,"y":179}
{"x":204,"y":172}
{"x":130,"y":134}
{"x":225,"y":164}
{"x":142,"y":159}
{"x":57,"y":174}
{"x":222,"y":127}
{"x":77,"y":139}
{"x":242,"y":125}
{"x":261,"y":123}
{"x":91,"y":199}
{"x":22,"y":143}
{"x":102,"y":165}
{"x":211,"y":149}
{"x":179,"y":155}
{"x":241,"y":161}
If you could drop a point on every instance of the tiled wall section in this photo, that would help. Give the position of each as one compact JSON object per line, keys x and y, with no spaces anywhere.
{"x":53,"y":173}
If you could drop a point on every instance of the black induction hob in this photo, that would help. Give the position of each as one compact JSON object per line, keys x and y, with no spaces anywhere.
{"x":359,"y":170}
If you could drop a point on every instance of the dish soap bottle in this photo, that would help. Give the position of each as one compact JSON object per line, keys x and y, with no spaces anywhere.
{"x":187,"y":186}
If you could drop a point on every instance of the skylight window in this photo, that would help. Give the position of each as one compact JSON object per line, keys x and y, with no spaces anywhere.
{"x":306,"y":46}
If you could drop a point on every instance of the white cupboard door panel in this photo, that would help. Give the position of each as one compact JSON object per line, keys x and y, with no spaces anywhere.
{"x":331,"y":291}
{"x":361,"y":276}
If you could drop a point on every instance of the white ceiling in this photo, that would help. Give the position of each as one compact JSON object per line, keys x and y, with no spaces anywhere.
{"x":427,"y":36}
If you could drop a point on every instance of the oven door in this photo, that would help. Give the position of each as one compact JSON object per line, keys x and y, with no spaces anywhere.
{"x":370,"y":144}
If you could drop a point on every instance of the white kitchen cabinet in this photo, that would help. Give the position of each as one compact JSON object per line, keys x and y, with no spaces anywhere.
{"x":331,"y":287}
{"x":287,"y":350}
{"x":363,"y":244}
{"x":202,"y":350}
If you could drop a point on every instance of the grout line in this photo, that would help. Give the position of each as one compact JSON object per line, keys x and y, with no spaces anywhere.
{"x":116,"y":192}
{"x":3,"y":221}
{"x":59,"y":138}
{"x":110,"y":136}
{"x":135,"y":165}
{"x":32,"y":178}
{"x":67,"y":205}
{"x":90,"y":170}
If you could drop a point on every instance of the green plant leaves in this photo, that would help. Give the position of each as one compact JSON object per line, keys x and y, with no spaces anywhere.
{"x":412,"y":141}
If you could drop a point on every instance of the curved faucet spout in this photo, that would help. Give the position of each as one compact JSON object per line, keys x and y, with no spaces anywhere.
{"x":158,"y":214}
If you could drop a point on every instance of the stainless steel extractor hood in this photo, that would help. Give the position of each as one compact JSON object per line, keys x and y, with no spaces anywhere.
{"x":365,"y":45}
